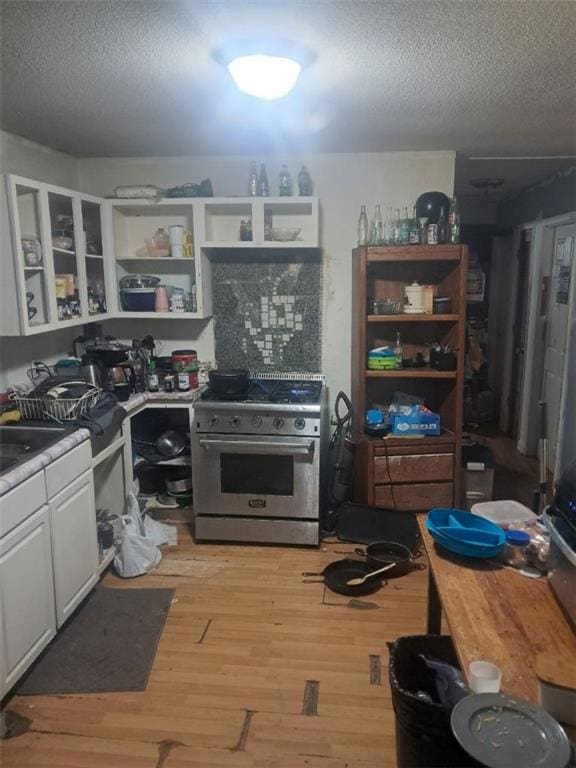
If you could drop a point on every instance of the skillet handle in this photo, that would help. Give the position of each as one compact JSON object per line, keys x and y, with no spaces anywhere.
{"x":313,"y":581}
{"x":418,"y":566}
{"x":417,"y":554}
{"x":308,"y":573}
{"x":360,"y":551}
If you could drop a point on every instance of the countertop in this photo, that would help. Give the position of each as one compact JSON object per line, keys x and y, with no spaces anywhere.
{"x":497,"y":615}
{"x":17,"y":475}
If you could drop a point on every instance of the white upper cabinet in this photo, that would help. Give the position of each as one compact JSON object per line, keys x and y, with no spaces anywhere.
{"x":56,"y":278}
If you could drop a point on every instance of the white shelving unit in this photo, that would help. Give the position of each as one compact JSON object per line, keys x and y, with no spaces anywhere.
{"x":114,"y":231}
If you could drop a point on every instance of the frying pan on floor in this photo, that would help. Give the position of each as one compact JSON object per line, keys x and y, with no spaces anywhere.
{"x":337,"y":574}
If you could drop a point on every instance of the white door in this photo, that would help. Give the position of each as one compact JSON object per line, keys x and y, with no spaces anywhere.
{"x":27,"y":614}
{"x":74,"y":544}
{"x":556,"y":332}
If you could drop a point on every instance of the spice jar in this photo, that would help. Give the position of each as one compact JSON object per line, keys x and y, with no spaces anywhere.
{"x":515,"y":550}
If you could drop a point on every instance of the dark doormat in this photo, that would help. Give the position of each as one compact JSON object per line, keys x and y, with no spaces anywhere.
{"x":108,"y":645}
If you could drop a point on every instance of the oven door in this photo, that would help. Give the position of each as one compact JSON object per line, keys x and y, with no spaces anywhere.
{"x":256,"y":475}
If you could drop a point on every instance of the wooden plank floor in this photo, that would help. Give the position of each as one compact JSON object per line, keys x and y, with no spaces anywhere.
{"x":247,"y":648}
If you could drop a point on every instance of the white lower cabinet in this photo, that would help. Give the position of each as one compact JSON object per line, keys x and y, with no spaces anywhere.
{"x":74,"y":544}
{"x":28,"y":620}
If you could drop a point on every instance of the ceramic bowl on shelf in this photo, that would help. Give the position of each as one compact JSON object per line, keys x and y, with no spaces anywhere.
{"x":62,"y":242}
{"x":285,"y":234}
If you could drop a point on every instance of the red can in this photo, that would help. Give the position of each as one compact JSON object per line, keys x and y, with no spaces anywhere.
{"x":188,"y":359}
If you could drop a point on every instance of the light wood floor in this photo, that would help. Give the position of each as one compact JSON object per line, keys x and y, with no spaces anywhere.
{"x":228,"y":684}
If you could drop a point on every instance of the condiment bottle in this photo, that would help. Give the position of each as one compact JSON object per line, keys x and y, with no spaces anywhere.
{"x":183,"y":378}
{"x":263,"y":186}
{"x":284,"y":182}
{"x":152,"y":377}
{"x":304,"y":182}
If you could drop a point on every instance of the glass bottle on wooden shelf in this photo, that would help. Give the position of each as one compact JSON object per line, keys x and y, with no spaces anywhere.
{"x":397,"y":237}
{"x":414,"y":234}
{"x":405,"y":227}
{"x":389,"y":227}
{"x":454,"y":222}
{"x":363,"y":226}
{"x":376,"y":237}
{"x":442,"y":226}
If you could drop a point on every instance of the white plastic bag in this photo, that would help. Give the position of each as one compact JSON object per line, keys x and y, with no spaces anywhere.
{"x":138,"y":554}
{"x":160,"y":533}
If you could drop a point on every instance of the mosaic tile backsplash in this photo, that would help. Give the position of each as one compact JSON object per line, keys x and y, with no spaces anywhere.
{"x":267,"y":315}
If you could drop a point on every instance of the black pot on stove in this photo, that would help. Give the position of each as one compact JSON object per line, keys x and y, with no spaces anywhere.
{"x":231,"y":383}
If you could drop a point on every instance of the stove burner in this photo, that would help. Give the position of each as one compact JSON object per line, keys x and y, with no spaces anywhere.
{"x":273,"y":391}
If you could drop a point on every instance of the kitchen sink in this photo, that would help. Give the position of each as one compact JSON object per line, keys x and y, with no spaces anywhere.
{"x":21,"y":442}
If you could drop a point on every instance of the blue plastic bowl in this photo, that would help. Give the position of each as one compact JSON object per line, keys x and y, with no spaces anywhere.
{"x":458,"y":531}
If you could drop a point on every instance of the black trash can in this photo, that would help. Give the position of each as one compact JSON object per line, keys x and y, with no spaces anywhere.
{"x":424,"y":737}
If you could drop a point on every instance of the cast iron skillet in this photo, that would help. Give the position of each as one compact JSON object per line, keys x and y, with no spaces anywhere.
{"x":229,"y":383}
{"x":381,"y":553}
{"x":336,"y":574}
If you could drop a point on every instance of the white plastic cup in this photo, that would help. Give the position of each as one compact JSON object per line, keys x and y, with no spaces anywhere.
{"x":176,"y":234}
{"x":484,"y":677}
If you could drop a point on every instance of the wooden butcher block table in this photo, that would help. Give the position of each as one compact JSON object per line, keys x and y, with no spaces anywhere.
{"x":496,"y":615}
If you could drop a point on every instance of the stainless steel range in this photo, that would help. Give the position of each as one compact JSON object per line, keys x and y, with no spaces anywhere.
{"x":256,"y":461}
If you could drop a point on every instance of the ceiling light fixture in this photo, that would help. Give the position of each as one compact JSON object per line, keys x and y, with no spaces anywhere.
{"x":263,"y":76}
{"x":264,"y":68}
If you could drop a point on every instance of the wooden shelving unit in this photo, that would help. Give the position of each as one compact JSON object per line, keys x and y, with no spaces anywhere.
{"x":407,"y":473}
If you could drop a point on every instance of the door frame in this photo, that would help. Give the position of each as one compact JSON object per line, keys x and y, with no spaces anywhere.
{"x":542,"y":235}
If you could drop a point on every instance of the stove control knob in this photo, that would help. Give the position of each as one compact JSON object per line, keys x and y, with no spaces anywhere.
{"x":234,"y":420}
{"x":256,"y":421}
{"x":278,"y":422}
{"x":299,"y":423}
{"x":214,"y":420}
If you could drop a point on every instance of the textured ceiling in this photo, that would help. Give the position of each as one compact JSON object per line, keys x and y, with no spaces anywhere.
{"x":122,"y":77}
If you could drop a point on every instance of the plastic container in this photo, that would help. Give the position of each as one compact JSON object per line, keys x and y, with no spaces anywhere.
{"x":423,"y":733}
{"x":138,"y":299}
{"x":484,"y":677}
{"x":515,"y":549}
{"x":504,"y":513}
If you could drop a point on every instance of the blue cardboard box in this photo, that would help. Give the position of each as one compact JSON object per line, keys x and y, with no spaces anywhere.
{"x":414,"y":420}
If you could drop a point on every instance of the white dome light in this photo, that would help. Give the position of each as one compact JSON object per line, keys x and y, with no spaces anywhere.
{"x":266,"y":77}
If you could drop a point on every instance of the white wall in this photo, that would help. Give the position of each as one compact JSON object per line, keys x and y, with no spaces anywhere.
{"x":342,"y":181}
{"x":31,"y":160}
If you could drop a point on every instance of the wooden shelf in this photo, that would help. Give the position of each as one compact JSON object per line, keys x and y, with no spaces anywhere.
{"x":411,"y":373}
{"x":413,"y":253}
{"x":406,"y":318}
{"x":392,"y":441}
{"x":166,"y":259}
{"x":159,"y":315}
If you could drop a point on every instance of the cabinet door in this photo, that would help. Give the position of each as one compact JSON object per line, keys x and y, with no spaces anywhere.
{"x":26,"y":596}
{"x":74,"y":544}
{"x":34,"y":300}
{"x":91,"y":249}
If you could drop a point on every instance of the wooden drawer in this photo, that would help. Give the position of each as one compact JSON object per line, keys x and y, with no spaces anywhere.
{"x":67,"y":468}
{"x":416,"y":497}
{"x":414,"y":468}
{"x":21,"y":502}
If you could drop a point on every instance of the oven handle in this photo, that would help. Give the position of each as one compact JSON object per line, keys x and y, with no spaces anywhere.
{"x":257,"y":446}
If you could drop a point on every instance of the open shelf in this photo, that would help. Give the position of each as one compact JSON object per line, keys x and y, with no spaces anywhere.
{"x":406,"y":318}
{"x":159,"y":315}
{"x":407,"y":253}
{"x":411,"y":373}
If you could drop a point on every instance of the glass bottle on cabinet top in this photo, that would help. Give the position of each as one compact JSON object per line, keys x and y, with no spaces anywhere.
{"x":363,"y":227}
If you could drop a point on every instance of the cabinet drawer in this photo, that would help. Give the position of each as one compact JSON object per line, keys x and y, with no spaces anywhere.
{"x":20,"y":503}
{"x":64,"y":470}
{"x":419,"y":468}
{"x":418,"y":497}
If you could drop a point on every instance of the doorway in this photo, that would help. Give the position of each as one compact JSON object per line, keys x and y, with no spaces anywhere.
{"x":519,"y":331}
{"x":560,"y":266}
